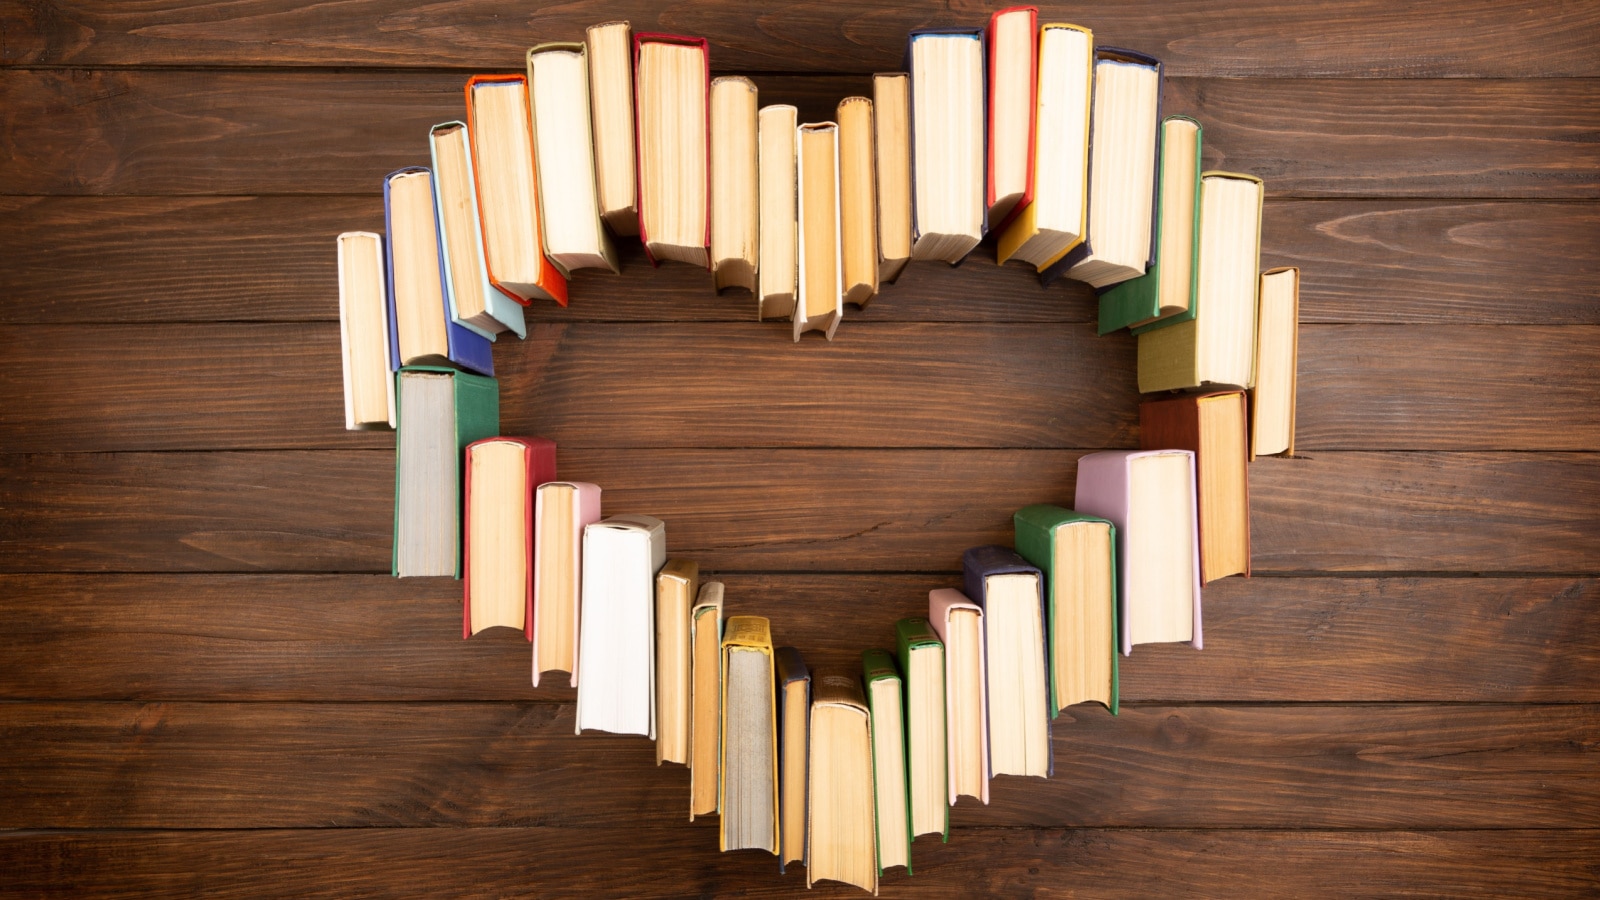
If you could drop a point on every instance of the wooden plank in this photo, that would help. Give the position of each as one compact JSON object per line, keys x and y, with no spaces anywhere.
{"x":77,"y":260}
{"x":1245,"y":37}
{"x":793,"y":510}
{"x":343,"y":862}
{"x":217,"y":132}
{"x":264,"y":765}
{"x":261,"y":386}
{"x":358,"y":637}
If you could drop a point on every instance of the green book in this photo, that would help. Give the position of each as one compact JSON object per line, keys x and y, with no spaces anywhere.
{"x":921,"y":656}
{"x":1165,"y":293}
{"x":886,"y":700}
{"x":439,"y":412}
{"x":1077,"y":554}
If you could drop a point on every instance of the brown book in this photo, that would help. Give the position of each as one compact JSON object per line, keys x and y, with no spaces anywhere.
{"x":1213,"y":427}
{"x":891,"y":127}
{"x":1277,"y":351}
{"x":841,"y":834}
{"x":676,"y":586}
{"x":858,"y":206}
{"x":705,"y":726}
{"x":820,"y":304}
{"x":734,"y":192}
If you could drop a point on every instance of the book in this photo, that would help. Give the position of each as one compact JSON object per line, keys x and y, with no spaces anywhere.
{"x":749,"y":737}
{"x":561,"y":511}
{"x":1217,"y":346}
{"x":500,"y":128}
{"x":563,"y":153}
{"x":1213,"y":426}
{"x":677,"y":588}
{"x":921,"y":656}
{"x":475,"y":304}
{"x":705,"y":722}
{"x":794,"y":746}
{"x":819,"y":305}
{"x":497,"y":554}
{"x":1277,"y":352}
{"x":1013,"y":68}
{"x":947,"y":133}
{"x":364,"y":333}
{"x":611,"y":106}
{"x":885,"y":700}
{"x":1164,"y":294}
{"x":959,"y":624}
{"x":735,"y":198}
{"x":439,"y":411}
{"x":1053,"y":219}
{"x":616,"y":643}
{"x":1122,"y":172}
{"x":841,"y":831}
{"x":891,"y":146}
{"x":672,"y":88}
{"x":420,"y":329}
{"x":1149,"y":495}
{"x":1011,"y":592}
{"x":858,"y":204}
{"x":1077,"y":554}
{"x":777,"y":284}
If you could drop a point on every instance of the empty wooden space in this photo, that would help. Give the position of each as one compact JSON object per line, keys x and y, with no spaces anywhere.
{"x":209,"y":685}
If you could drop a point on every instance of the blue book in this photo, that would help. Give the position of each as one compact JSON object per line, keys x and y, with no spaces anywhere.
{"x":474,"y":303}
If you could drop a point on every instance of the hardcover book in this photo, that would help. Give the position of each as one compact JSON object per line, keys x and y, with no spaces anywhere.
{"x":677,"y":587}
{"x":1164,"y":294}
{"x":439,"y":412}
{"x":959,"y":624}
{"x":611,"y":104}
{"x":502,"y":475}
{"x":1011,"y":593}
{"x":841,"y":830}
{"x":921,"y":656}
{"x":673,"y":87}
{"x":820,"y":303}
{"x":794,"y":747}
{"x":569,"y":205}
{"x":1277,"y":352}
{"x":858,"y":207}
{"x":621,"y":556}
{"x":705,"y":724}
{"x":1013,"y":88}
{"x":1077,"y":553}
{"x":947,"y":135}
{"x":561,"y":511}
{"x":777,"y":278}
{"x":749,"y":737}
{"x":475,"y":304}
{"x":364,"y":333}
{"x":885,"y":699}
{"x":1213,"y":426}
{"x":891,"y":145}
{"x":1149,"y":495}
{"x":735,"y":197}
{"x":421,"y":331}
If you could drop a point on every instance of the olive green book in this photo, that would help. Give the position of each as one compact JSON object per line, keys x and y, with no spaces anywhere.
{"x":1077,"y":554}
{"x":886,"y":700}
{"x":1162,"y":295}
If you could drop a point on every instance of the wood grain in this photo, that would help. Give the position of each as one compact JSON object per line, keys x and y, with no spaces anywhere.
{"x":219,"y":132}
{"x":1250,"y":37}
{"x":793,"y":510}
{"x":160,"y":259}
{"x":265,"y":765}
{"x":360,"y":637}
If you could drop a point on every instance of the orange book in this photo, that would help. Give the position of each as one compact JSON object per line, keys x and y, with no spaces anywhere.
{"x":505,"y":177}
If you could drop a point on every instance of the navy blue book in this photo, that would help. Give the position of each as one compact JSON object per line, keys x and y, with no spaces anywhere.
{"x":421,"y":331}
{"x":794,"y":744}
{"x":948,"y":213}
{"x":1011,"y":592}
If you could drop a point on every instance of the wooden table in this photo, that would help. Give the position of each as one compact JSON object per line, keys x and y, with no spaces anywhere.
{"x":219,"y":690}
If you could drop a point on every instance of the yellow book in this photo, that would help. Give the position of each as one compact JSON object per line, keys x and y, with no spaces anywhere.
{"x":749,"y":771}
{"x":1056,"y":218}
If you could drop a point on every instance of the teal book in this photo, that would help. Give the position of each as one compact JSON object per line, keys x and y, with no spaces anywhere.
{"x":1165,"y":293}
{"x":886,"y":702}
{"x":439,"y":412}
{"x":475,"y":303}
{"x":921,"y":657}
{"x":1077,"y":554}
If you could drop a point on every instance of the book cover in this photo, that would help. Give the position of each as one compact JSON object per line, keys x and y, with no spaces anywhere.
{"x":878,"y":665}
{"x":1035,"y":541}
{"x":1175,"y":423}
{"x":468,"y":350}
{"x":585,"y":512}
{"x":539,"y":456}
{"x":347,"y":246}
{"x":477,"y":416}
{"x":978,"y":565}
{"x":911,"y":116}
{"x":746,"y":634}
{"x":639,"y":40}
{"x":551,"y":284}
{"x":1131,"y":302}
{"x":993,"y":99}
{"x":940,"y":604}
{"x":909,"y":634}
{"x":1102,"y":490}
{"x":497,"y":304}
{"x":791,"y":669}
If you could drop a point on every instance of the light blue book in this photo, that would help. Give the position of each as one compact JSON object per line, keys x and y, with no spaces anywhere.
{"x":466,"y":274}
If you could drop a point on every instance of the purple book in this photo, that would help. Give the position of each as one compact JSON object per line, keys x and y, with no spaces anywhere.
{"x":1027,"y":750}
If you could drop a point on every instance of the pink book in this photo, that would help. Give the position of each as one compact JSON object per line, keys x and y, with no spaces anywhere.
{"x":584,"y":509}
{"x":940,"y":603}
{"x":1114,"y":485}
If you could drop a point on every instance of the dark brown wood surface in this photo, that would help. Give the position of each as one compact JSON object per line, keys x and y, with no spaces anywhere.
{"x":209,"y":685}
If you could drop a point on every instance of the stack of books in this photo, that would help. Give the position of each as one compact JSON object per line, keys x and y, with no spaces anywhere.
{"x":1057,"y":146}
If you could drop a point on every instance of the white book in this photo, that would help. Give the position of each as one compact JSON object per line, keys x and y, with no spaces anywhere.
{"x":617,"y":636}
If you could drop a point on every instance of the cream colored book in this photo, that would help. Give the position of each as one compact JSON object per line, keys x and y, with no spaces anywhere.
{"x":364,"y":333}
{"x":1277,"y":352}
{"x":858,"y":212}
{"x":705,"y":720}
{"x":611,"y":108}
{"x":891,"y":128}
{"x":777,"y":284}
{"x":821,"y":296}
{"x":676,"y":586}
{"x":558,"y":86}
{"x":735,"y":206}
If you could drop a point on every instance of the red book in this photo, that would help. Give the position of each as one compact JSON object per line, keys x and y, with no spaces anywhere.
{"x":682,"y":167}
{"x":1013,"y":108}
{"x":497,"y":559}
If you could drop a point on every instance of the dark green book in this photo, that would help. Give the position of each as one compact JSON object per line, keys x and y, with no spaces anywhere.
{"x":921,"y":656}
{"x":1145,"y":303}
{"x":439,"y":411}
{"x":1078,"y":555}
{"x":886,"y":700}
